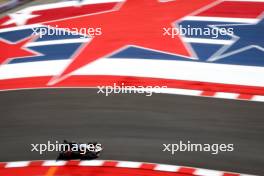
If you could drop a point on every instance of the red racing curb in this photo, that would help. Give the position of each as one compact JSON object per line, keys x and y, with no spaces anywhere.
{"x":180,"y":87}
{"x":103,"y":168}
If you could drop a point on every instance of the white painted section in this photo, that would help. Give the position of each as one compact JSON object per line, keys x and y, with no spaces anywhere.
{"x":17,"y":164}
{"x":53,"y":163}
{"x":179,"y":70}
{"x":129,"y":164}
{"x":226,"y":95}
{"x":258,"y":98}
{"x":168,"y":168}
{"x":206,"y":172}
{"x":91,"y":163}
{"x":221,"y":19}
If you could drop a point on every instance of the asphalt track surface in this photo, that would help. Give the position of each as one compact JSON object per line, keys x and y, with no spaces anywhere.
{"x":133,"y":127}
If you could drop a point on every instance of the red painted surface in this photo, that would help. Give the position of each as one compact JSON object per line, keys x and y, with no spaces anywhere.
{"x":94,"y":81}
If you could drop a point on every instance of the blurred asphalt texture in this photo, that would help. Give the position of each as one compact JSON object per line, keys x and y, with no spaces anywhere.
{"x":133,"y":127}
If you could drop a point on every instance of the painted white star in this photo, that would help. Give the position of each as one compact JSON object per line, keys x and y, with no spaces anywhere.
{"x":19,"y":18}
